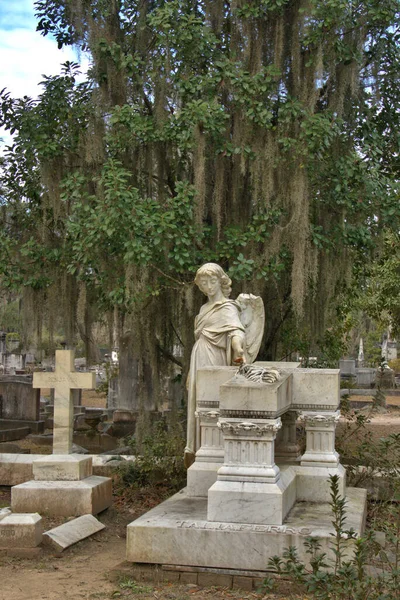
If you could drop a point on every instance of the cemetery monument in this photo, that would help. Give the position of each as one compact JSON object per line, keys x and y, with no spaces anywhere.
{"x":249,"y":493}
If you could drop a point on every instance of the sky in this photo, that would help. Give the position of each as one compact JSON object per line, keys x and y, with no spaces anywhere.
{"x":25,"y":55}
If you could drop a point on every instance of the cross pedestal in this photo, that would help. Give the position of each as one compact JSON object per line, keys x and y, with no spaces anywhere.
{"x":63,"y":380}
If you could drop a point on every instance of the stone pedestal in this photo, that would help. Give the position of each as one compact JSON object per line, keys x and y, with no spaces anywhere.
{"x":210,"y":454}
{"x":287,"y":450}
{"x":63,"y":498}
{"x":250,"y":488}
{"x":320,"y":459}
{"x":320,"y":439}
{"x":63,"y":486}
{"x":254,"y":509}
{"x":249,"y":476}
{"x":71,"y":467}
{"x":177,"y":532}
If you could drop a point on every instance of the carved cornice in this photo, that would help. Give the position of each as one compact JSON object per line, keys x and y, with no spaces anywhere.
{"x":207,"y":415}
{"x":322,"y":420}
{"x":247,"y":414}
{"x":249,"y":428}
{"x":207,"y":404}
{"x":312,"y":407}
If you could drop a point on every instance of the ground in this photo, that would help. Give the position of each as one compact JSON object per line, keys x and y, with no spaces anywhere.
{"x":94,"y":569}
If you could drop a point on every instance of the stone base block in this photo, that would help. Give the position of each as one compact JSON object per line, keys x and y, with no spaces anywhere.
{"x":249,"y":502}
{"x":177,"y":533}
{"x":200,"y":477}
{"x":18,"y":468}
{"x":17,"y":433}
{"x":4,"y":512}
{"x":67,"y":467}
{"x":21,"y":531}
{"x":63,"y":498}
{"x":313,"y":483}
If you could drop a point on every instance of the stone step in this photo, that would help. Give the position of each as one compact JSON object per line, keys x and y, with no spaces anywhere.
{"x":58,"y":467}
{"x":63,"y":498}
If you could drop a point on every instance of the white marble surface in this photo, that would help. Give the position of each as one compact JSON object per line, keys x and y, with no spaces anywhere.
{"x":18,"y":468}
{"x":200,"y":477}
{"x":71,"y":467}
{"x":21,"y":531}
{"x":240,"y":394}
{"x":62,"y":537}
{"x":63,"y":498}
{"x":316,"y":388}
{"x":313,"y":483}
{"x":4,"y":512}
{"x":177,"y":532}
{"x":208,"y":382}
{"x":249,"y":502}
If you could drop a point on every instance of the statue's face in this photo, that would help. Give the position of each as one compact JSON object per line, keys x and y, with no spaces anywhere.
{"x":209,"y":284}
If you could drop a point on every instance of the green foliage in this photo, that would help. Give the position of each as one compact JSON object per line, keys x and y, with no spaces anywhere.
{"x":133,"y":586}
{"x":345,"y":578}
{"x":381,"y":299}
{"x":10,"y":317}
{"x":261,"y":135}
{"x":158,"y":458}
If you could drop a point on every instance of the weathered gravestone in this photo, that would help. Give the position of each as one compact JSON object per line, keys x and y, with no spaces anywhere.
{"x":63,"y":483}
{"x":19,"y":405}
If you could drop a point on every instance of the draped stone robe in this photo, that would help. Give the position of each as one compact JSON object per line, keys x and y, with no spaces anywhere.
{"x":215,"y":326}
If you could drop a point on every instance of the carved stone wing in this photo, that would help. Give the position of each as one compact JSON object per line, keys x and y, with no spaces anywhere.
{"x":252,"y":316}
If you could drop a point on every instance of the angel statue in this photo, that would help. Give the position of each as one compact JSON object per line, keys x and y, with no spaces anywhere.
{"x":227,"y":332}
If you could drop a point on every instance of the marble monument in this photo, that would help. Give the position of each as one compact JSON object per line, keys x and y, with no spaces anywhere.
{"x":250,"y":493}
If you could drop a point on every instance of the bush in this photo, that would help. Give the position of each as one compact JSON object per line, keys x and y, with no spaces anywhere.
{"x":159,"y":458}
{"x":343,"y":579}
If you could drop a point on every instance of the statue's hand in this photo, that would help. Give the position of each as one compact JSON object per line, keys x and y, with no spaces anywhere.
{"x":238,"y":356}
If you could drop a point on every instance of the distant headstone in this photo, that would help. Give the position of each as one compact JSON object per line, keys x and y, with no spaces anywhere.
{"x":18,"y":401}
{"x":347,"y":367}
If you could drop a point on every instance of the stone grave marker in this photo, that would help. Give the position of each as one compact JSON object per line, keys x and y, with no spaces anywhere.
{"x":63,"y":380}
{"x":21,"y":531}
{"x":63,"y":483}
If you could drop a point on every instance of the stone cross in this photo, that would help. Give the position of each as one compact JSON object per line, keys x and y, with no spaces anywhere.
{"x":63,"y":380}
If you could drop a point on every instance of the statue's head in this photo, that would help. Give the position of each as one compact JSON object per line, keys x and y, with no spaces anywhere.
{"x":214,"y":270}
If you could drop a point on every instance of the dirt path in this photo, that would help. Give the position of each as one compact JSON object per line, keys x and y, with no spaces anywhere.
{"x":80,"y":572}
{"x":95,"y":569}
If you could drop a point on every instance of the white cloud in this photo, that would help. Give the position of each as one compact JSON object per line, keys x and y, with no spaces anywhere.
{"x":25,"y":55}
{"x":25,"y":58}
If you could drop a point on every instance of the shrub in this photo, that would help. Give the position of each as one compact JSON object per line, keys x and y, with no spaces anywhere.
{"x":159,"y":458}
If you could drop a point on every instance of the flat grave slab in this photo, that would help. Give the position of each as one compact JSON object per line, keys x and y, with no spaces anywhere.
{"x":62,"y":537}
